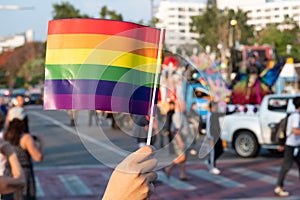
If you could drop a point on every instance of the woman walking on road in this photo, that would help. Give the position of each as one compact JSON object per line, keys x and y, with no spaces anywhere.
{"x":181,"y":132}
{"x":291,"y":148}
{"x":27,"y":147}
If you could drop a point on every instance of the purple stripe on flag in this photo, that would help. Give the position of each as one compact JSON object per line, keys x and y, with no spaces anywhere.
{"x":96,"y":102}
{"x":99,"y":87}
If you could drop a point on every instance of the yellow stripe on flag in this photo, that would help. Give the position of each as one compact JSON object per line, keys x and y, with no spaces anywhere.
{"x":101,"y":57}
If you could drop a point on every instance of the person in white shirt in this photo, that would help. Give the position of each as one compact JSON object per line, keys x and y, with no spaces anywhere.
{"x":291,"y":148}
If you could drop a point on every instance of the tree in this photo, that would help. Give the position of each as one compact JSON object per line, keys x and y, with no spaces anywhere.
{"x":207,"y":25}
{"x":105,"y":13}
{"x":217,"y":21}
{"x":244,"y":31}
{"x":66,"y":10}
{"x":279,"y":39}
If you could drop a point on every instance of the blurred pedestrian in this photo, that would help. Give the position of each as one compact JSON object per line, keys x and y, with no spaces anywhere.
{"x":2,"y":157}
{"x":27,"y":147}
{"x":196,"y":123}
{"x":291,"y":148}
{"x":73,"y":116}
{"x":169,"y":116}
{"x":17,"y":180}
{"x":18,"y":107}
{"x":181,"y":131}
{"x":136,"y":175}
{"x":213,"y":131}
{"x":3,"y":106}
{"x":93,"y":115}
{"x":141,"y":130}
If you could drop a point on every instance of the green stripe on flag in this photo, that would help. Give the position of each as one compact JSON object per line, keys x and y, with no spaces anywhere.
{"x":99,"y":72}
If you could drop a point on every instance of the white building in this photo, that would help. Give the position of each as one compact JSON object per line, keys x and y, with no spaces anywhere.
{"x":11,"y":42}
{"x":264,"y":12}
{"x":175,"y":17}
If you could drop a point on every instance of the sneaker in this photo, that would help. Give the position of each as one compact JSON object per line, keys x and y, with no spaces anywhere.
{"x":215,"y":171}
{"x":280,"y":192}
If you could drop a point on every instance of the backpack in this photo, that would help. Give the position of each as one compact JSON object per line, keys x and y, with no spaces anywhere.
{"x":280,"y":130}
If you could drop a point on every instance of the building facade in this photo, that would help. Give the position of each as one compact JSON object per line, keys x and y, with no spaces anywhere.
{"x":11,"y":42}
{"x":264,"y":12}
{"x":175,"y":17}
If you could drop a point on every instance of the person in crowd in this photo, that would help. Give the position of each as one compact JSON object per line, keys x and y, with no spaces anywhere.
{"x":18,"y":107}
{"x":2,"y":157}
{"x":17,"y":180}
{"x":195,"y":118}
{"x":291,"y":148}
{"x":27,"y":147}
{"x":213,"y":131}
{"x":93,"y":114}
{"x":73,"y":116}
{"x":196,"y":123}
{"x":133,"y":178}
{"x":181,"y":131}
{"x":168,"y":125}
{"x":141,"y":130}
{"x":3,"y":107}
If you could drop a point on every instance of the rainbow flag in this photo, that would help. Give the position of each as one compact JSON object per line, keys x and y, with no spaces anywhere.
{"x":101,"y":64}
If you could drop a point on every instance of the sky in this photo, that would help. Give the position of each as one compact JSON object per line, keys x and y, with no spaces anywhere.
{"x":19,"y":21}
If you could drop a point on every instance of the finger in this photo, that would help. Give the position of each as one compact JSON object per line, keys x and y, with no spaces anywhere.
{"x":142,"y":154}
{"x":150,"y":176}
{"x":147,"y":165}
{"x":151,"y":189}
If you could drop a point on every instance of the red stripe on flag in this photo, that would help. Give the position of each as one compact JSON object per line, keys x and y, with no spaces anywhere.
{"x":106,"y":27}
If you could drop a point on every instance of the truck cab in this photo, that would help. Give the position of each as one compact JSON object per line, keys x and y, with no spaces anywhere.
{"x":248,"y":132}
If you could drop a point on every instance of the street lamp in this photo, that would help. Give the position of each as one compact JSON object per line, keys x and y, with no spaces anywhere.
{"x":233,"y":23}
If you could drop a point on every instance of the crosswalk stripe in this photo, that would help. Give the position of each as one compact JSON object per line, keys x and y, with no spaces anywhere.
{"x":174,"y":182}
{"x":74,"y":185}
{"x":256,"y":175}
{"x":220,"y":180}
{"x":292,"y":172}
{"x":39,"y":190}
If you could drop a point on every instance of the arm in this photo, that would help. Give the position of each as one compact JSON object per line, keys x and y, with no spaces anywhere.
{"x":296,"y":131}
{"x":7,"y":118}
{"x":35,"y":152}
{"x":295,"y":123}
{"x":10,"y":184}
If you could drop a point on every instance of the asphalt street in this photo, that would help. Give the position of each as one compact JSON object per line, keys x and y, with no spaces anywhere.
{"x":79,"y":160}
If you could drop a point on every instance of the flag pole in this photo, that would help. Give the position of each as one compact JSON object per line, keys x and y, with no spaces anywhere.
{"x":158,"y":63}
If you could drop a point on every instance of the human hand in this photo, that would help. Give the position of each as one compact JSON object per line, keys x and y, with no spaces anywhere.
{"x":280,"y":148}
{"x":133,"y":177}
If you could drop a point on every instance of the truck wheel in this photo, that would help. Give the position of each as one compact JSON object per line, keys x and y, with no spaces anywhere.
{"x":246,"y":145}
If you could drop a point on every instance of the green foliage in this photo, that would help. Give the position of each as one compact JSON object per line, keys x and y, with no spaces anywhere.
{"x":105,"y":13}
{"x":280,"y":39}
{"x":32,"y":71}
{"x":66,"y":10}
{"x":214,"y":26}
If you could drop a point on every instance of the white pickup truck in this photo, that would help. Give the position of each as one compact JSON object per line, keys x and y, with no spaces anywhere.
{"x":247,"y":132}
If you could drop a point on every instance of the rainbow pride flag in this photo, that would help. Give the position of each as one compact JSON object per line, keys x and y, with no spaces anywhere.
{"x":102,"y":64}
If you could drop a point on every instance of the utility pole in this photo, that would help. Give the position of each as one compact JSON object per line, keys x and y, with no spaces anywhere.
{"x":151,"y":12}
